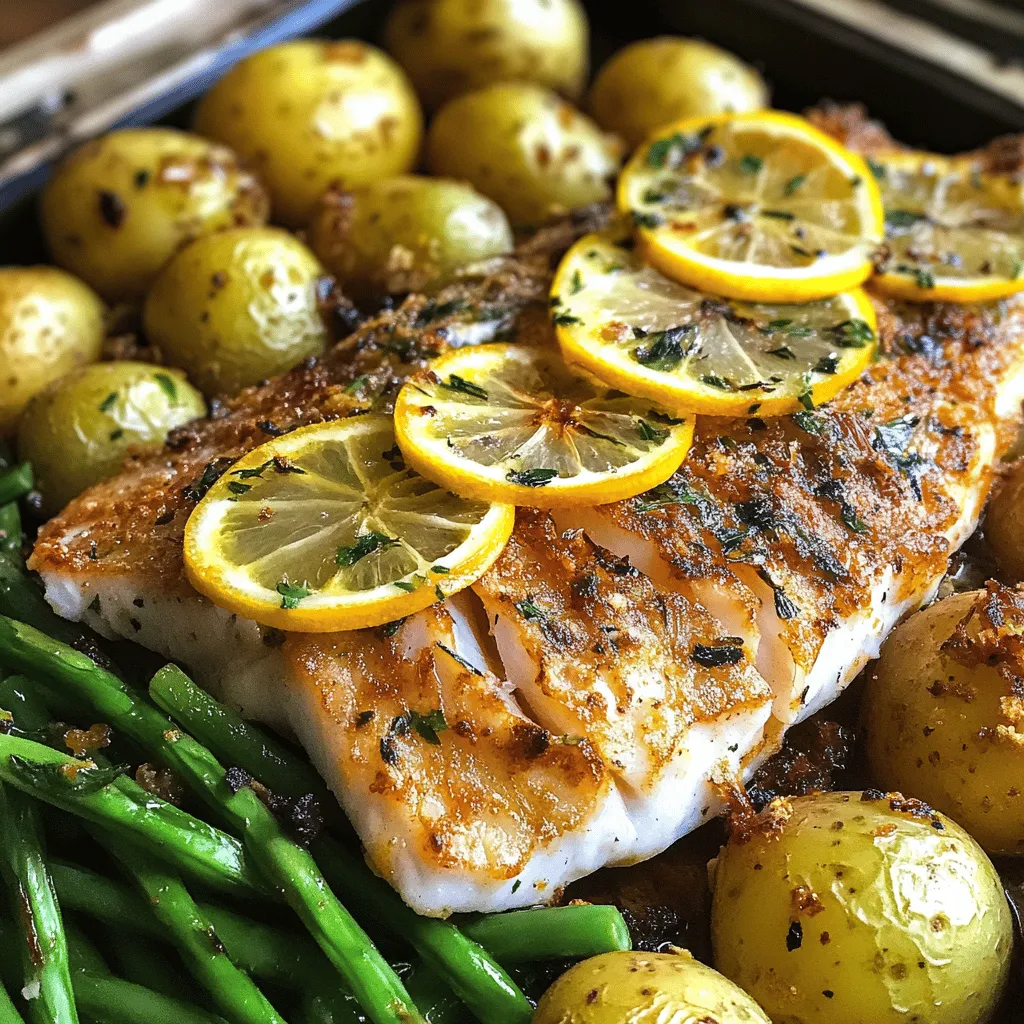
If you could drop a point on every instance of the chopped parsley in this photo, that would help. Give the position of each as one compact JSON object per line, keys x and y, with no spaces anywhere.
{"x":566,"y":320}
{"x":672,"y":492}
{"x":750,"y":164}
{"x":576,"y":283}
{"x":793,"y":184}
{"x":428,"y":725}
{"x":665,"y":350}
{"x":670,"y":149}
{"x":238,"y":488}
{"x":537,"y":477}
{"x":365,"y":544}
{"x":167,"y":385}
{"x":291,"y":593}
{"x":853,"y":333}
{"x":903,"y":218}
{"x":465,"y":387}
{"x":650,"y":433}
{"x":779,"y":214}
{"x":810,"y":423}
{"x":108,"y":403}
{"x":529,"y":610}
{"x":827,"y":364}
{"x":648,"y":220}
{"x":358,"y":384}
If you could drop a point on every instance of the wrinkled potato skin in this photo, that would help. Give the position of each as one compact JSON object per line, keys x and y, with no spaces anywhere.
{"x":451,"y":47}
{"x":633,"y":986}
{"x":310,"y":114}
{"x":49,"y":323}
{"x":937,"y":729}
{"x":839,"y":910}
{"x":75,"y":434}
{"x":406,"y":234}
{"x":118,"y":208}
{"x":234,"y":308}
{"x":1004,"y":524}
{"x":529,"y":151}
{"x":654,"y":82}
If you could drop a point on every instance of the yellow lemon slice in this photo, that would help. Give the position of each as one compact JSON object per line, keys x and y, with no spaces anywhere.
{"x":759,"y":206}
{"x":952,"y":233}
{"x":327,"y":529}
{"x":627,"y":324}
{"x":510,"y":423}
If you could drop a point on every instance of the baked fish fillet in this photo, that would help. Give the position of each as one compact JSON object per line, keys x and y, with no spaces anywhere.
{"x":618,"y":667}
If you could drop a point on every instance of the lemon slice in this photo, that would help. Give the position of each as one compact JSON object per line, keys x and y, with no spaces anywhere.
{"x":635,"y":329}
{"x":511,"y":423}
{"x":952,"y":233}
{"x":326,"y":529}
{"x":758,"y":206}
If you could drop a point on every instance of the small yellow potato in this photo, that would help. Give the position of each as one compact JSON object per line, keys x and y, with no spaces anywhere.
{"x":406,"y":234}
{"x":120,"y":206}
{"x":313,"y":113}
{"x":628,"y":987}
{"x":80,"y":430}
{"x":658,"y":81}
{"x":946,"y":724}
{"x":1004,"y":523}
{"x":233,"y":308}
{"x":49,"y":323}
{"x":525,"y":148}
{"x":450,"y":47}
{"x":861,"y":908}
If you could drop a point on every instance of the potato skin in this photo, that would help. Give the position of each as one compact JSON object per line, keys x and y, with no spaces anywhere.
{"x":406,"y":234}
{"x":120,"y":206}
{"x":633,"y":986}
{"x":943,"y":730}
{"x":655,"y":82}
{"x":80,"y":429}
{"x":50,"y":322}
{"x":841,"y":908}
{"x":1004,"y":523}
{"x":310,"y":114}
{"x":233,"y":308}
{"x":450,"y":47}
{"x":529,"y":151}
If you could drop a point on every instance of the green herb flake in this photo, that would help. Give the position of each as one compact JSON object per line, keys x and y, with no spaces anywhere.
{"x":168,"y":385}
{"x":648,"y":220}
{"x":903,"y":218}
{"x":429,"y":724}
{"x":291,"y":594}
{"x":566,"y":320}
{"x":116,"y":435}
{"x":536,"y":477}
{"x":851,"y":520}
{"x":441,"y":570}
{"x":648,"y":432}
{"x":779,"y":214}
{"x":853,"y":333}
{"x":358,"y":384}
{"x":877,"y":169}
{"x":529,"y":610}
{"x":793,"y":184}
{"x":750,"y":164}
{"x":108,"y":403}
{"x":464,"y":387}
{"x":365,"y":544}
{"x":576,"y":283}
{"x":809,"y":422}
{"x":467,"y":665}
{"x":238,"y":488}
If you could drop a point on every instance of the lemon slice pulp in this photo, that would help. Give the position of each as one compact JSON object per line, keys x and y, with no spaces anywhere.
{"x":511,"y":423}
{"x":635,"y":329}
{"x":327,"y":529}
{"x":759,"y":206}
{"x":952,"y":232}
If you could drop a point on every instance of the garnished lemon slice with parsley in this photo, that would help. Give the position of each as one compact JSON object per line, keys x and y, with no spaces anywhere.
{"x":759,"y":206}
{"x":630,"y":326}
{"x":511,"y":423}
{"x":952,"y":232}
{"x":327,"y":529}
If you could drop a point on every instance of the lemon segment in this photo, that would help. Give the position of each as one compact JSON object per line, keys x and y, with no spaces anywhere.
{"x":759,"y":206}
{"x":327,"y":529}
{"x":953,"y":233}
{"x":511,"y":423}
{"x":625,"y":323}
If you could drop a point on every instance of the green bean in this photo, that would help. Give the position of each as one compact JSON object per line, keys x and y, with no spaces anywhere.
{"x":437,"y":1001}
{"x":232,"y":990}
{"x":10,"y":517}
{"x":20,"y":696}
{"x":145,"y":962}
{"x":290,"y":866}
{"x":470,"y":971}
{"x":113,"y":1001}
{"x":8,"y":1011}
{"x":22,"y":600}
{"x":181,"y":840}
{"x":83,"y":956}
{"x":550,"y":933}
{"x":45,"y":950}
{"x":15,"y":483}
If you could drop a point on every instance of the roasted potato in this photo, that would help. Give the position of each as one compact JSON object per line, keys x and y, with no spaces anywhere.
{"x":845,"y":908}
{"x":449,"y":47}
{"x":529,"y":151}
{"x":235,"y":307}
{"x":313,"y":113}
{"x":118,"y":208}
{"x":49,"y":324}
{"x":80,"y":429}
{"x":617,"y":988}
{"x":654,"y":82}
{"x":1004,"y":523}
{"x":945,"y":725}
{"x":406,"y":234}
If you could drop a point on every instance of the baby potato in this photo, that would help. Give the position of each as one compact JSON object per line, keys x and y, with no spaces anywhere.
{"x":1004,"y":523}
{"x":233,"y":308}
{"x":449,"y":47}
{"x":529,"y":151}
{"x":118,"y":208}
{"x":617,"y":988}
{"x":844,"y":908}
{"x":313,"y":113}
{"x":406,"y":234}
{"x":80,"y":429}
{"x":49,"y":323}
{"x":945,"y":725}
{"x":654,"y":82}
